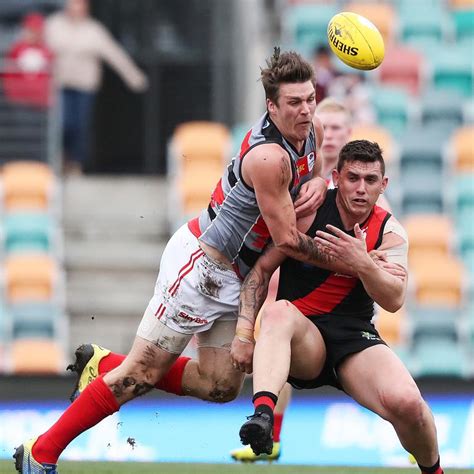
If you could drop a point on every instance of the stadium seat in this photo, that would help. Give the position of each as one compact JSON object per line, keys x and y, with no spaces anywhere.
{"x":452,"y":69}
{"x":402,"y":67}
{"x":382,"y":15}
{"x":461,"y":4}
{"x":428,"y":322}
{"x":36,"y":356}
{"x":27,"y":232}
{"x":27,"y":185}
{"x":34,"y":320}
{"x":442,"y":108}
{"x":392,"y":107}
{"x":380,"y":135}
{"x":391,"y":326}
{"x":418,"y":20}
{"x":465,"y":232}
{"x":306,"y":25}
{"x":30,"y":278}
{"x":429,"y":234}
{"x":199,"y":142}
{"x":463,"y":149}
{"x":464,"y":23}
{"x":438,"y":281}
{"x":440,"y":357}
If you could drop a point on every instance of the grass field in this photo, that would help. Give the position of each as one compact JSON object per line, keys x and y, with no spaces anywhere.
{"x":162,"y":468}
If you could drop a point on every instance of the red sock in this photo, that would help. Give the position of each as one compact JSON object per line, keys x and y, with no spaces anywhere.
{"x":438,"y":471}
{"x":267,"y":399}
{"x":109,"y":362}
{"x":171,"y":382}
{"x":435,"y":469}
{"x":94,"y":404}
{"x":277,"y":422}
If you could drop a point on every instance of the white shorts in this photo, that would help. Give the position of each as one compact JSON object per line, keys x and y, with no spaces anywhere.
{"x":191,"y":292}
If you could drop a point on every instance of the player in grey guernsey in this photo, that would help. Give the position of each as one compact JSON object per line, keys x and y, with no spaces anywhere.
{"x":200,"y":277}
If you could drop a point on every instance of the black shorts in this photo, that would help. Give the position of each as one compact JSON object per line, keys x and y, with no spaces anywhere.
{"x":343,"y":335}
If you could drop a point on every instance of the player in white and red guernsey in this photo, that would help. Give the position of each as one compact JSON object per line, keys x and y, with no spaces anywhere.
{"x":267,"y":186}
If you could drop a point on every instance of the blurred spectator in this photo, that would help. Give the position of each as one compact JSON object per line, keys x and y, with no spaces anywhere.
{"x":80,"y":43}
{"x":325,"y":71}
{"x":351,"y":90}
{"x":28,"y":64}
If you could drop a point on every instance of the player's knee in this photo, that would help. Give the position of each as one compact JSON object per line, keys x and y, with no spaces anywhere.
{"x":405,"y":405}
{"x":224,"y":391}
{"x":276,"y":315}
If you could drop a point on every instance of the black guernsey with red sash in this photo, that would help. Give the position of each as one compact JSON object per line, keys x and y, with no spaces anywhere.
{"x":315,"y":291}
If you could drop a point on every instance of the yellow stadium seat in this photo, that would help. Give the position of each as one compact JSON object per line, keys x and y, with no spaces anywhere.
{"x":390,"y":325}
{"x":27,"y":185}
{"x":437,"y":281}
{"x":429,"y":234}
{"x":463,"y":148}
{"x":382,"y":15}
{"x":378,"y":134}
{"x":36,"y":356}
{"x":461,"y":4}
{"x":29,"y":278}
{"x":202,"y":142}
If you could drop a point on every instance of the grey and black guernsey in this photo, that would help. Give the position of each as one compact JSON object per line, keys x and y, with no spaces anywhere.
{"x":232,"y":223}
{"x":315,"y":291}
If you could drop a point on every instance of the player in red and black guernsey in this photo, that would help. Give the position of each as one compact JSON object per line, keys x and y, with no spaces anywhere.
{"x":319,"y":331}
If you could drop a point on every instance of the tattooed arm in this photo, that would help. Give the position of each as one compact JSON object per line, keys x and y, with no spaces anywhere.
{"x":252,"y":296}
{"x":267,"y":170}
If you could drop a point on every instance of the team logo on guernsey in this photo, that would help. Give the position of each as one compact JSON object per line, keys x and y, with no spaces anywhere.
{"x":369,"y":336}
{"x":311,"y":160}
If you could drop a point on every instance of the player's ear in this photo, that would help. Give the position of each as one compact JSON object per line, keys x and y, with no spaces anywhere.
{"x":271,"y":107}
{"x":335,"y":177}
{"x":384,"y":184}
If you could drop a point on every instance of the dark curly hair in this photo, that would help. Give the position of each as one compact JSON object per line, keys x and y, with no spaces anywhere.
{"x":285,"y":67}
{"x":361,"y":150}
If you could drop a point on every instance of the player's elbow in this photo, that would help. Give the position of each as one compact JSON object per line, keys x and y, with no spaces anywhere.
{"x":393,"y":303}
{"x":287,"y":242}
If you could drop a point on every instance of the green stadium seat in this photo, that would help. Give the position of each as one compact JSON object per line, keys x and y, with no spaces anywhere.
{"x":463,"y":24}
{"x":28,"y":232}
{"x":392,"y":108}
{"x":442,"y":108}
{"x":418,"y":20}
{"x":452,"y":69}
{"x":466,"y":235}
{"x":433,"y":321}
{"x":440,"y":357}
{"x":463,"y":187}
{"x":307,"y":24}
{"x":34,"y":320}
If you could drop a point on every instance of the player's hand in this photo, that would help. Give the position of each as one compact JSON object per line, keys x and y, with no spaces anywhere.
{"x":310,"y":197}
{"x":394,"y":269}
{"x":378,"y":255}
{"x":241,"y":354}
{"x":338,"y":244}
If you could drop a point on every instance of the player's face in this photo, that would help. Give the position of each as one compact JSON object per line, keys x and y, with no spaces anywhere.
{"x":336,"y":133}
{"x":293,"y":115}
{"x":359,"y":186}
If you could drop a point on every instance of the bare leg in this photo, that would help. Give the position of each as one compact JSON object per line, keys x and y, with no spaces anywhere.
{"x":378,"y":380}
{"x":283,"y":399}
{"x":287,"y":341}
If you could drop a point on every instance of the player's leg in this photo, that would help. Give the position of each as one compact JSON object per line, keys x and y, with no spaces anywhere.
{"x":211,"y":376}
{"x":378,"y":380}
{"x":140,"y":370}
{"x":288,"y":344}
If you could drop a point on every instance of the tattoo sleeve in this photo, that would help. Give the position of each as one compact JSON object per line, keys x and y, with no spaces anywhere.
{"x":252,"y":294}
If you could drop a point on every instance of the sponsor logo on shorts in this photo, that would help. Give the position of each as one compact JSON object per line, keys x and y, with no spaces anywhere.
{"x":369,"y":336}
{"x":193,"y":319}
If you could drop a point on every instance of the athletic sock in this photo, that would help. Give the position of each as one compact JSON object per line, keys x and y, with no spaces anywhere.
{"x":264,"y":402}
{"x":435,"y":469}
{"x":109,"y":362}
{"x":171,"y":382}
{"x":94,"y":404}
{"x":277,"y":422}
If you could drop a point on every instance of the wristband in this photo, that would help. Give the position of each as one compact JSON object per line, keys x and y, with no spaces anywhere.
{"x":245,"y":335}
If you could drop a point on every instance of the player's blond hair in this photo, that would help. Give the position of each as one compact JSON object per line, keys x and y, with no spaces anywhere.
{"x":329,"y":104}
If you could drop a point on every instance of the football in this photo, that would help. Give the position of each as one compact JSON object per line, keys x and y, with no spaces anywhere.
{"x":356,"y":41}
